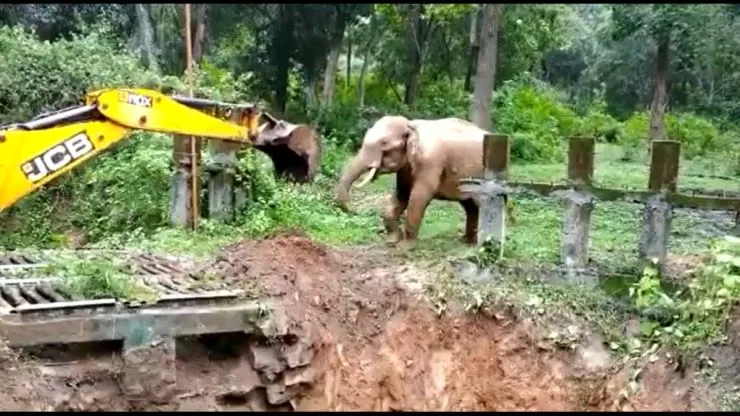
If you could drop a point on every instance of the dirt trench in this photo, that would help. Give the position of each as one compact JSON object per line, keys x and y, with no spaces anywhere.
{"x":358,"y":336}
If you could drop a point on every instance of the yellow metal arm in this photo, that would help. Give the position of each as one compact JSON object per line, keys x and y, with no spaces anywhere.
{"x":34,"y":153}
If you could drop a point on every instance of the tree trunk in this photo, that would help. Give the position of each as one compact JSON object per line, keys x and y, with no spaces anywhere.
{"x":200,"y":31}
{"x":332,"y":61}
{"x":474,"y":46}
{"x":309,"y":89}
{"x":413,"y":53}
{"x":330,"y":74}
{"x":160,"y":22}
{"x":367,"y":57}
{"x":282,"y":44}
{"x":660,"y":90}
{"x":361,"y":84}
{"x":485,"y":74}
{"x":349,"y":58}
{"x":146,"y":31}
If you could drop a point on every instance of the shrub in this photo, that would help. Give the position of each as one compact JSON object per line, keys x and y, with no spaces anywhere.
{"x":635,"y":129}
{"x":602,"y":126}
{"x":538,"y":122}
{"x":443,"y":99}
{"x":698,"y":136}
{"x":44,"y":76}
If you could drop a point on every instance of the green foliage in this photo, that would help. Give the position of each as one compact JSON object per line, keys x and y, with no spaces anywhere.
{"x":444,"y":99}
{"x":97,"y":279}
{"x":698,"y":136}
{"x":537,"y":121}
{"x":528,"y":32}
{"x":600,"y":125}
{"x":636,"y":129}
{"x":697,"y":317}
{"x":126,"y":190}
{"x":43,"y":76}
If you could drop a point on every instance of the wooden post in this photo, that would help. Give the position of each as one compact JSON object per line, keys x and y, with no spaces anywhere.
{"x":185,"y":189}
{"x":657,"y":215}
{"x":194,"y":146}
{"x":664,"y":166}
{"x":579,"y":203}
{"x":496,"y":157}
{"x":580,"y":160}
{"x":492,"y":218}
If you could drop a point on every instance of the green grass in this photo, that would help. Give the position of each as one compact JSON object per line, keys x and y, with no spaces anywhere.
{"x":96,"y":279}
{"x":610,"y":171}
{"x":534,"y":237}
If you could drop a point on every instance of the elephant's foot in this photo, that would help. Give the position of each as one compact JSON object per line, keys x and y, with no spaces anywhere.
{"x":393,"y":237}
{"x":406,"y":244}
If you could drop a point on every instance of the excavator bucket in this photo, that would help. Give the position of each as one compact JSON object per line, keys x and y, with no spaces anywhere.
{"x":295,"y":149}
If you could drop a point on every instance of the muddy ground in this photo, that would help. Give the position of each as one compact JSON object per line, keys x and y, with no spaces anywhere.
{"x":375,"y":344}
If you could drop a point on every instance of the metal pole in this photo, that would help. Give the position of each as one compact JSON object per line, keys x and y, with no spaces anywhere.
{"x":194,"y":202}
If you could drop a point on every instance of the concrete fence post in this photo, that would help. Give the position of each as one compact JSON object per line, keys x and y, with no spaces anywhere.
{"x":579,"y":203}
{"x":658,"y":213}
{"x":182,"y":210}
{"x":222,"y":198}
{"x":492,"y":218}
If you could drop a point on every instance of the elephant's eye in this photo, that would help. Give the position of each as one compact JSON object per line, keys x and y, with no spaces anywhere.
{"x":406,"y":135}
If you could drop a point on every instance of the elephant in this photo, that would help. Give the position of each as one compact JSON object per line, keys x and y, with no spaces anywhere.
{"x":295,"y":149}
{"x":429,"y":158}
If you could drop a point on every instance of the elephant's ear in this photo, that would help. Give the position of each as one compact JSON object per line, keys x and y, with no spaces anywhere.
{"x":413,"y":146}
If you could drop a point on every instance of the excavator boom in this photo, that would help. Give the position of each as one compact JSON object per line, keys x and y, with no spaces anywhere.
{"x":38,"y":151}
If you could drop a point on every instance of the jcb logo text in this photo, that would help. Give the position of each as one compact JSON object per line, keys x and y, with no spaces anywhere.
{"x":135,"y":99}
{"x":57,"y":157}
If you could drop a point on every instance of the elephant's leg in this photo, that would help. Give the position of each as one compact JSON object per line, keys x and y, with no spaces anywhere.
{"x":397,"y":204}
{"x":421,"y":196}
{"x":471,"y":220}
{"x":393,"y":211}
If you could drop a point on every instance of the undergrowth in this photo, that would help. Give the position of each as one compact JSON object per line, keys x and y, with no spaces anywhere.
{"x":697,"y":314}
{"x":97,"y":279}
{"x":684,"y":317}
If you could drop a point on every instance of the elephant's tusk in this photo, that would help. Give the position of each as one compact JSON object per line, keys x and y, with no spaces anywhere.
{"x":368,"y":178}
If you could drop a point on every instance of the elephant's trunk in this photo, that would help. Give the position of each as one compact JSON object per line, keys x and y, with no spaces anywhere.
{"x":353,"y":171}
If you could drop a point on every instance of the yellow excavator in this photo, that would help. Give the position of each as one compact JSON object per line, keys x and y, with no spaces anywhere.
{"x":35,"y":153}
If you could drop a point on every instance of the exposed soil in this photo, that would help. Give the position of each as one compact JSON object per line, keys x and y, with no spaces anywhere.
{"x":378,"y":346}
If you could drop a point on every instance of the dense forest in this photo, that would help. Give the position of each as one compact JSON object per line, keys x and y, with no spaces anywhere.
{"x":625,"y":74}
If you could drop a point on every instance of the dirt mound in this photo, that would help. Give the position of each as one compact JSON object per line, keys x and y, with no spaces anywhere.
{"x":385,"y":350}
{"x":313,"y":283}
{"x":375,"y":346}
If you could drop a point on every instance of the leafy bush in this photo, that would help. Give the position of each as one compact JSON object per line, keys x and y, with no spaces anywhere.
{"x":125,"y":190}
{"x":43,"y":76}
{"x":537,"y":121}
{"x":443,"y":99}
{"x":698,"y":136}
{"x":600,"y":125}
{"x":696,"y":316}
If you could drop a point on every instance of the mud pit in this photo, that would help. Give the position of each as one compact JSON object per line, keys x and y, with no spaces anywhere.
{"x":355,"y":335}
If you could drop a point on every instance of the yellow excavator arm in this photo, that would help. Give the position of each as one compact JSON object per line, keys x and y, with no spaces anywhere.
{"x":36,"y":152}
